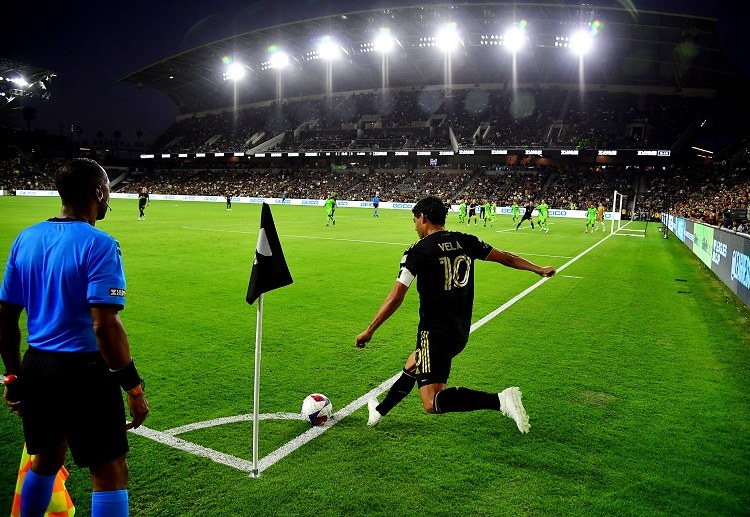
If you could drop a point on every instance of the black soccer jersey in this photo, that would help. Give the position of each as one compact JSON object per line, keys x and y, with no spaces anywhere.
{"x":142,"y":198}
{"x":443,"y":264}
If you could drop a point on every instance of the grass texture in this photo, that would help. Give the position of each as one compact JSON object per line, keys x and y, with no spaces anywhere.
{"x":634,"y":364}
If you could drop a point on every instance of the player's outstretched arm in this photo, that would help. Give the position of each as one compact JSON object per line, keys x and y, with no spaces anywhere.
{"x":391,"y":303}
{"x":510,"y":260}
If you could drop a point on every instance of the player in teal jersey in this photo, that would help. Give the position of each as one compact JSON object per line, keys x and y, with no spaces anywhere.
{"x":543,"y":209}
{"x":462,"y":212}
{"x":488,"y":214}
{"x":330,"y":208}
{"x":590,"y":218}
{"x":516,"y":211}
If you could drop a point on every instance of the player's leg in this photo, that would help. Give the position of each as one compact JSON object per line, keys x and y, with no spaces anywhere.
{"x":398,"y":392}
{"x":433,"y":364}
{"x":110,"y":482}
{"x":98,"y":440}
{"x":36,"y":492}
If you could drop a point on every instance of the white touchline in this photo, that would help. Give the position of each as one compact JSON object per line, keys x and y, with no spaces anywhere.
{"x":168,"y":437}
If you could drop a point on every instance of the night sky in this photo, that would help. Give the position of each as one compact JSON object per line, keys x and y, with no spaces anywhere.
{"x":93,"y":44}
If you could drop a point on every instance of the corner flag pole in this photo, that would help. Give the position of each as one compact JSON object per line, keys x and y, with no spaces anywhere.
{"x":269,"y":272}
{"x":256,"y":385}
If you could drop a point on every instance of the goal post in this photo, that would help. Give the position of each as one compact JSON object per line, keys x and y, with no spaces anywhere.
{"x":618,"y":199}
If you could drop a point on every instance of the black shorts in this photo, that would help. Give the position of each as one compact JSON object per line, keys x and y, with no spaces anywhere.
{"x":141,"y":203}
{"x":472,"y":212}
{"x":434,"y":356}
{"x":73,"y":397}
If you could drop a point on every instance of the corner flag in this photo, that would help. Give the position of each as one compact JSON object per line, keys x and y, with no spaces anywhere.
{"x":269,"y":272}
{"x":269,"y":267}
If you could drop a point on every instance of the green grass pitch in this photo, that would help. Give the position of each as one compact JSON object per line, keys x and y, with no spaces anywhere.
{"x":634,"y":364}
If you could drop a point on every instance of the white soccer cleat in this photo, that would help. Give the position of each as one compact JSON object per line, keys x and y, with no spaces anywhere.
{"x":512,"y":407}
{"x":375,"y":417}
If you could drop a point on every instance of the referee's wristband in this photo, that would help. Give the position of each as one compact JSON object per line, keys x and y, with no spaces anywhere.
{"x":127,"y":377}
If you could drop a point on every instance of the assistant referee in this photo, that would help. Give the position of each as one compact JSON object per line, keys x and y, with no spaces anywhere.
{"x":68,"y":276}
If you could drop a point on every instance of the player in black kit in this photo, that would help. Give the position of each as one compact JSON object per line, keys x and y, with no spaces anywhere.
{"x":443,"y":261}
{"x":527,"y":215}
{"x":142,"y":202}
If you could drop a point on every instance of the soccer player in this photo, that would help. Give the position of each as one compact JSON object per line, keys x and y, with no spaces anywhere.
{"x":493,"y":212}
{"x":143,"y":201}
{"x":330,"y":209}
{"x":516,"y":211}
{"x":600,"y":217}
{"x":472,"y":213}
{"x":462,"y":212}
{"x":543,"y":209}
{"x":487,"y":212}
{"x":229,"y":201}
{"x":443,"y":262}
{"x":590,"y":218}
{"x":375,"y":204}
{"x":527,"y":215}
{"x":68,"y":276}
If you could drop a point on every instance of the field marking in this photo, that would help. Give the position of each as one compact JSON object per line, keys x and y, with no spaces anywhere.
{"x":168,"y":437}
{"x":230,"y":420}
{"x":570,"y":276}
{"x":513,"y":300}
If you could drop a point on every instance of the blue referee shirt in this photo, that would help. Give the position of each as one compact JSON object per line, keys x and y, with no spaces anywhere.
{"x":57,"y":270}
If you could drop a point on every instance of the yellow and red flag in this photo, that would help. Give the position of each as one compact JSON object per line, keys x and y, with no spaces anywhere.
{"x":61,"y":505}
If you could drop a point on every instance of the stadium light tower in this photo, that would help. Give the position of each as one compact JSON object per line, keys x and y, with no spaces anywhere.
{"x":581,"y":42}
{"x":448,"y":38}
{"x":514,"y":38}
{"x":328,"y":49}
{"x":234,"y":70}
{"x":278,"y":58}
{"x":384,"y":41}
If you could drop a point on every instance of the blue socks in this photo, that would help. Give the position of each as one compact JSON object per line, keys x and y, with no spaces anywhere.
{"x":109,"y":504}
{"x":36,"y":494}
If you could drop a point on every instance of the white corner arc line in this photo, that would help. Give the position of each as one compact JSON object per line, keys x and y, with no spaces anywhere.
{"x":314,"y":432}
{"x":230,"y":420}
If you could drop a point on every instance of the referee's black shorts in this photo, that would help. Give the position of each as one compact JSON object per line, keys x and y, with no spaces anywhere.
{"x":73,"y":397}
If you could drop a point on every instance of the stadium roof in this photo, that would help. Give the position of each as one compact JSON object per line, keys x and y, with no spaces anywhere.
{"x":643,"y":48}
{"x":22,"y":80}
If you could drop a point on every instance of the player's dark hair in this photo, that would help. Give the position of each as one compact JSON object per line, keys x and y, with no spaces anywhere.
{"x":432,"y":208}
{"x":76,"y":180}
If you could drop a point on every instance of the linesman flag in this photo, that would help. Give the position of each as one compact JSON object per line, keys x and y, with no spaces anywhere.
{"x":269,"y":267}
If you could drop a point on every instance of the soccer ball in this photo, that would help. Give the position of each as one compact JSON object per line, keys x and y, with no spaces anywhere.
{"x":316,"y":409}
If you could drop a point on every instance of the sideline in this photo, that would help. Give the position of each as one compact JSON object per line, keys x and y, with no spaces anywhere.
{"x":168,"y":437}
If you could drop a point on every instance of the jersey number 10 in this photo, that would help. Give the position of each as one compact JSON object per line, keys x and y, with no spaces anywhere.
{"x":457,"y":272}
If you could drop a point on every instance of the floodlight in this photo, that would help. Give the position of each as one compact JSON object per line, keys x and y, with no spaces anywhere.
{"x":20,"y":81}
{"x":514,"y":38}
{"x":327,"y":48}
{"x":384,"y":42}
{"x":278,"y":59}
{"x":448,"y":38}
{"x":581,"y":42}
{"x":235,"y":71}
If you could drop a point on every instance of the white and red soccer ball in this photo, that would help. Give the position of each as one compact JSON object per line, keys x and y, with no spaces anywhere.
{"x":316,"y":409}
